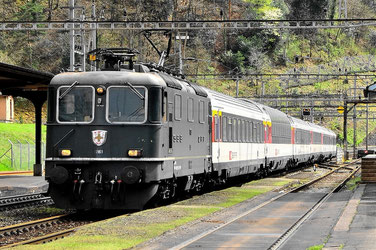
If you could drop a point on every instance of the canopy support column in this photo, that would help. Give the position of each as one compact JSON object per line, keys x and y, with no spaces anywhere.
{"x":38,"y":171}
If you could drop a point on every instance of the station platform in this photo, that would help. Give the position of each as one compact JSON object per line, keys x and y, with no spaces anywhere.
{"x":356,"y":228}
{"x":347,"y":220}
{"x":22,"y":184}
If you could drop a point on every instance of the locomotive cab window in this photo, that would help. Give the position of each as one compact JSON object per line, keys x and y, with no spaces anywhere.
{"x":126,"y":104}
{"x":75,"y":105}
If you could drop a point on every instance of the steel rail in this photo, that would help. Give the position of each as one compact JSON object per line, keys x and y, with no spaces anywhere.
{"x":15,"y":173}
{"x":323,"y":176}
{"x":204,"y":234}
{"x":31,"y":225}
{"x":43,"y":239}
{"x":282,"y":239}
{"x":23,"y":200}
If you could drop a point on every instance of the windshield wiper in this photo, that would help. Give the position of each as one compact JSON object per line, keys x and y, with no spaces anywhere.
{"x":68,"y":89}
{"x":135,"y":91}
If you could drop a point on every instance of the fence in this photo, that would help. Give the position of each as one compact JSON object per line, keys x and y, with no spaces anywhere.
{"x":20,"y":156}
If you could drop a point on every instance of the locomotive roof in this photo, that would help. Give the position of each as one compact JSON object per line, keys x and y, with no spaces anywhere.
{"x":136,"y":78}
{"x":112,"y":77}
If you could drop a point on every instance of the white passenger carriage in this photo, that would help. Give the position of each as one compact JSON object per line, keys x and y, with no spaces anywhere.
{"x":238,"y":135}
{"x":248,"y":137}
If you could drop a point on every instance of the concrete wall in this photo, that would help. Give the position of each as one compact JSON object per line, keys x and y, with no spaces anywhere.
{"x":6,"y":108}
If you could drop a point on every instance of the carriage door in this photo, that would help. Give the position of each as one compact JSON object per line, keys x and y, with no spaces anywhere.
{"x":170,"y":110}
{"x":216,"y":134}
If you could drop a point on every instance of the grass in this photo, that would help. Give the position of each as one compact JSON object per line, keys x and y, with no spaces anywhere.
{"x":353,"y":183}
{"x":128,"y":231}
{"x":317,"y":247}
{"x":16,"y":132}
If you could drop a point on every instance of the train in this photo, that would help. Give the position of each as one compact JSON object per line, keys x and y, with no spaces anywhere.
{"x":133,"y":133}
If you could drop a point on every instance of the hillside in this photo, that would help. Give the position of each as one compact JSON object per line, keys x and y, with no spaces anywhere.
{"x":24,"y":111}
{"x":219,"y":51}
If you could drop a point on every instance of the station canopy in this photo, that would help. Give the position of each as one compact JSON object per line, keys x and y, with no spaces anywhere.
{"x":19,"y":81}
{"x":31,"y":84}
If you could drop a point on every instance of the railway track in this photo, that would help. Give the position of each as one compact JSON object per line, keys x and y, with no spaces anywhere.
{"x":19,"y":201}
{"x":42,"y":230}
{"x":9,"y":235}
{"x":352,"y":171}
{"x":47,"y":229}
{"x":345,"y":169}
{"x":5,"y":173}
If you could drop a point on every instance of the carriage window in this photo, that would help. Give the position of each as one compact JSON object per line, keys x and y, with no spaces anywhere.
{"x":217,"y":128}
{"x":247,"y":131}
{"x":126,"y":105}
{"x":190,"y":110}
{"x":76,"y":105}
{"x":224,"y":128}
{"x":241,"y":126}
{"x":235,"y":130}
{"x":239,"y":131}
{"x":244,"y":131}
{"x":201,"y":113}
{"x":178,"y":107}
{"x":229,"y":130}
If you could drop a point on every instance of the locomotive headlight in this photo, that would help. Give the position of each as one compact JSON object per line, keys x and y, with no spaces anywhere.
{"x":101,"y":90}
{"x":65,"y":152}
{"x":134,"y":153}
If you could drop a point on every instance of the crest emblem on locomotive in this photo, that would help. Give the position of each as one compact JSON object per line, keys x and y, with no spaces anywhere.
{"x":99,"y":137}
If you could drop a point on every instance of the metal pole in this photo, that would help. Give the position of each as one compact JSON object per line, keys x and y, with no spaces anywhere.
{"x":11,"y":154}
{"x":93,"y":34}
{"x":38,"y":138}
{"x":367,"y":127}
{"x":71,"y":35}
{"x":354,"y":121}
{"x":346,"y":156}
{"x":28,"y":155}
{"x":180,"y":57}
{"x":83,"y":46}
{"x":20,"y":154}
